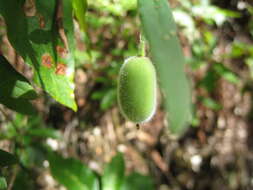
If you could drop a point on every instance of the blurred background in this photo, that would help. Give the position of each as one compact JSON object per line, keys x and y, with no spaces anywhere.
{"x":216,"y":150}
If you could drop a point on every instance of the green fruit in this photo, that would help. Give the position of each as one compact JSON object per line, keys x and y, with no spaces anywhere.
{"x":137,"y":89}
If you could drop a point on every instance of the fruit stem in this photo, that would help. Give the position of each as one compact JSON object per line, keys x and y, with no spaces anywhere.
{"x":142,"y":46}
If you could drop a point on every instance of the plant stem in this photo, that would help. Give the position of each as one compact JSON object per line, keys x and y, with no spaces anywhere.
{"x":142,"y":46}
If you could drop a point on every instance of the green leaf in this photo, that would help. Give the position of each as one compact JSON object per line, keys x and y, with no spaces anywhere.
{"x":32,"y":156}
{"x":58,"y":84}
{"x":3,"y":183}
{"x":137,"y":181}
{"x":24,"y":181}
{"x":38,"y":41}
{"x":69,"y":27}
{"x":249,"y":63}
{"x":13,"y":84}
{"x":210,"y":103}
{"x":44,"y":133}
{"x":15,"y":89}
{"x":113,"y":176}
{"x":73,"y":174}
{"x":108,"y":99}
{"x":210,"y":80}
{"x":238,"y":49}
{"x":80,"y":8}
{"x":7,"y":159}
{"x":160,"y":31}
{"x":16,"y":24}
{"x":19,"y":105}
{"x":226,"y":73}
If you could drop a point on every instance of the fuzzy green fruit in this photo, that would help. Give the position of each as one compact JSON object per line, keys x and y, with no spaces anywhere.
{"x":137,"y":89}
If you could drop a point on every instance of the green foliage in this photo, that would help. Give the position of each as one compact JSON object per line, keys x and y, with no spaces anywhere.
{"x":33,"y":130}
{"x":16,"y":90}
{"x":32,"y":156}
{"x":104,"y":15}
{"x":160,"y":31}
{"x":249,"y":62}
{"x":137,"y":181}
{"x":72,"y":173}
{"x":210,"y":103}
{"x":13,"y":84}
{"x":7,"y":159}
{"x":39,"y":43}
{"x":3,"y":183}
{"x":226,"y":73}
{"x":108,"y":99}
{"x":23,"y":181}
{"x":217,"y":71}
{"x":31,"y":127}
{"x":44,"y":133}
{"x":80,"y":8}
{"x":118,"y":9}
{"x":107,"y":93}
{"x":113,"y":175}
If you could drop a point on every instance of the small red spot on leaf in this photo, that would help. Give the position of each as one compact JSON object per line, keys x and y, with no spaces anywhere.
{"x":61,"y":69}
{"x":61,"y":51}
{"x":47,"y":60}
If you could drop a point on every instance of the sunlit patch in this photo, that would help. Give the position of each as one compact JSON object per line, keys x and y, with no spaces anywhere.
{"x":72,"y":86}
{"x":54,"y":144}
{"x":61,"y":51}
{"x":70,"y":72}
{"x":47,"y":60}
{"x":196,"y":161}
{"x":61,"y":69}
